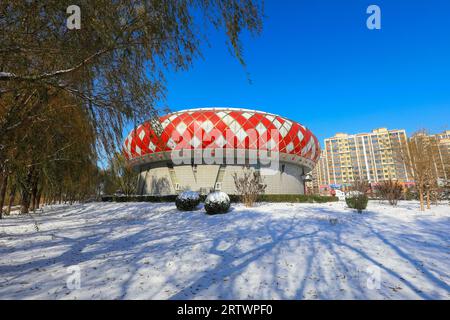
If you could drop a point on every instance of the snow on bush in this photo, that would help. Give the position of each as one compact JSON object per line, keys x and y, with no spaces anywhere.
{"x":187,"y":200}
{"x":353,"y":193}
{"x":217,"y":202}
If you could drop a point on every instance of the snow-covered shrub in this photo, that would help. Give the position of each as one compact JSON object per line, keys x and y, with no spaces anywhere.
{"x":357,"y":201}
{"x":217,"y":202}
{"x":187,"y":200}
{"x":357,"y":198}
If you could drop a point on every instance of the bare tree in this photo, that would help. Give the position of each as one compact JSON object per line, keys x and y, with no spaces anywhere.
{"x":390,"y":190}
{"x":360,"y":186}
{"x":123,"y":174}
{"x":3,"y":185}
{"x":114,"y":64}
{"x":249,"y":186}
{"x":418,"y":158}
{"x":100,"y":78}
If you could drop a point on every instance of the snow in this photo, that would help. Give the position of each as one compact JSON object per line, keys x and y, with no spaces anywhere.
{"x":5,"y":74}
{"x":189,"y":195}
{"x":353,"y":193}
{"x":217,"y":197}
{"x":272,"y":251}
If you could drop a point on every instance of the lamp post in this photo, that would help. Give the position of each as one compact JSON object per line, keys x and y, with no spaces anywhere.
{"x":306,"y":178}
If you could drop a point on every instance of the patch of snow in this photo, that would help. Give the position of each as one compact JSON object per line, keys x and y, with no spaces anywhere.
{"x":217,"y":197}
{"x":189,"y":195}
{"x":353,"y":193}
{"x":272,"y":251}
{"x":6,"y":74}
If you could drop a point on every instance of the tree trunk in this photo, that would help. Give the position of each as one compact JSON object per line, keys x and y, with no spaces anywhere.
{"x":38,"y":199}
{"x":12,"y":195}
{"x":421,"y":199}
{"x":3,"y":192}
{"x":34,"y":190}
{"x":25,"y":201}
{"x":428,"y":198}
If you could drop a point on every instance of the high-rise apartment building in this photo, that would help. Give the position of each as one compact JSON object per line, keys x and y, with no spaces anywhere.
{"x":320,"y":174}
{"x":373,"y":157}
{"x":444,"y":154}
{"x":443,"y":135}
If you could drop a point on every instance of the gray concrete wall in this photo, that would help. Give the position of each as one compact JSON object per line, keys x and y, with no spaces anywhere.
{"x":185,"y":177}
{"x":159,"y":180}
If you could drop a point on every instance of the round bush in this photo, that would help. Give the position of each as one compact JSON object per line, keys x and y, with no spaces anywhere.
{"x":217,"y":202}
{"x":187,"y":200}
{"x":358,"y":202}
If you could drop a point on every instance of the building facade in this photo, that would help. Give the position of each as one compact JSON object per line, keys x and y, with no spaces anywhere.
{"x":202,"y":149}
{"x":320,"y":184}
{"x":443,"y":157}
{"x":373,"y":157}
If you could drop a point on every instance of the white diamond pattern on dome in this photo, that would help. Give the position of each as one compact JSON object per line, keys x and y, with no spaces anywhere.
{"x":241,"y":135}
{"x":308,"y":147}
{"x":300,"y":135}
{"x":271,"y":144}
{"x":228,"y":120}
{"x":171,"y":144}
{"x":261,"y":128}
{"x":142,"y":134}
{"x":222,"y":114}
{"x":235,"y":127}
{"x":181,"y":128}
{"x":277,"y":124}
{"x":247,"y":115}
{"x":220,"y":141}
{"x":287,"y":124}
{"x":165,"y":123}
{"x":285,"y":128}
{"x":270,"y":118}
{"x":195,"y":142}
{"x":207,"y":126}
{"x":290,"y":147}
{"x":283,"y":131}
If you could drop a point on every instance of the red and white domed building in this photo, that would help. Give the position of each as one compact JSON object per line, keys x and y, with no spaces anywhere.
{"x":201,"y":150}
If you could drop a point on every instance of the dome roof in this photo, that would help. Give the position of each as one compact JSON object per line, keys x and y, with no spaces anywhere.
{"x":220,"y":128}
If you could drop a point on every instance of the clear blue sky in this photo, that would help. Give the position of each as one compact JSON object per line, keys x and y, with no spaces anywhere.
{"x":317,"y":63}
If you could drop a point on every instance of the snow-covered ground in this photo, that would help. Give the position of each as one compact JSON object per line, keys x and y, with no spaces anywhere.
{"x":273,"y":251}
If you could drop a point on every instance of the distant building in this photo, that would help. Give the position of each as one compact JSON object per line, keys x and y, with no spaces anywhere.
{"x":373,"y":157}
{"x":444,"y":154}
{"x":320,"y":183}
{"x":443,"y":135}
